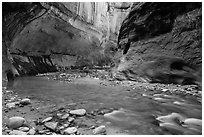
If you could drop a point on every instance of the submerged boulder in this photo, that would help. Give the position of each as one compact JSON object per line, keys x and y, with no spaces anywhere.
{"x":16,"y":122}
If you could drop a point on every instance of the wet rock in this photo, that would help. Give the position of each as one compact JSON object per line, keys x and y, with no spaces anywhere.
{"x":4,"y":88}
{"x":25,"y":101}
{"x":47,"y":119}
{"x":99,"y":130}
{"x":11,"y":105}
{"x":66,"y":125}
{"x":79,"y":112}
{"x":71,"y":119}
{"x":24,"y":129}
{"x":171,"y":118}
{"x":16,"y":122}
{"x":70,"y":130}
{"x":51,"y":125}
{"x":9,"y":91}
{"x":31,"y":132}
{"x":193,"y":121}
{"x":65,"y":116}
{"x":59,"y":115}
{"x":164,"y":90}
{"x":17,"y":132}
{"x":48,"y":133}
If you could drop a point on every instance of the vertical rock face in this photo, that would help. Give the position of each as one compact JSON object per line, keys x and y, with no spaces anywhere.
{"x":161,"y":42}
{"x":44,"y":36}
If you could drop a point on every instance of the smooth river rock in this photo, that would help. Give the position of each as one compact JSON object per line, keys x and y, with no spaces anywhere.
{"x":17,"y":132}
{"x":99,"y":130}
{"x":70,"y":130}
{"x":31,"y":132}
{"x":24,"y":129}
{"x":79,"y":112}
{"x":65,"y":116}
{"x":193,"y":121}
{"x":15,"y":122}
{"x":25,"y":101}
{"x":47,"y":119}
{"x":11,"y":105}
{"x":51,"y":125}
{"x":171,"y":118}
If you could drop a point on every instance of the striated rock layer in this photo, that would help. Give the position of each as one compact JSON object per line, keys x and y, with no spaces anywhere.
{"x":42,"y":37}
{"x":161,"y":42}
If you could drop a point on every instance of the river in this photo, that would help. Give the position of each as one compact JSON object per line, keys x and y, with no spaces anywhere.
{"x":135,"y":110}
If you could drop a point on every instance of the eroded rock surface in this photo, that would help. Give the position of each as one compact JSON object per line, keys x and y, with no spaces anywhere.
{"x":43,"y":37}
{"x":161,"y":42}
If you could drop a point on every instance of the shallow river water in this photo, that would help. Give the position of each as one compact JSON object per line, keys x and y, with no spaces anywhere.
{"x":135,"y":111}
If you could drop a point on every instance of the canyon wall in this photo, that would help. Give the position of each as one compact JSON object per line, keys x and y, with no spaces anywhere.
{"x":161,"y":42}
{"x":43,"y":37}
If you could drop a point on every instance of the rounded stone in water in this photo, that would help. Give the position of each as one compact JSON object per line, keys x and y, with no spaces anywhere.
{"x":79,"y":112}
{"x":17,"y":132}
{"x":99,"y":130}
{"x":25,"y":101}
{"x":16,"y":122}
{"x":70,"y":130}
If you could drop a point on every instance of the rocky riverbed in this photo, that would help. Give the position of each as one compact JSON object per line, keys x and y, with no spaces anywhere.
{"x":177,"y":111}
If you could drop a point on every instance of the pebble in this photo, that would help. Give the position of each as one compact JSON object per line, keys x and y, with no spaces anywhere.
{"x":15,"y":122}
{"x":48,"y":133}
{"x":70,"y":130}
{"x":79,"y":112}
{"x":9,"y":91}
{"x":51,"y":125}
{"x":31,"y":132}
{"x":4,"y":88}
{"x":66,"y":125}
{"x":25,"y":101}
{"x":11,"y":105}
{"x":193,"y":121}
{"x":59,"y":115}
{"x":99,"y":130}
{"x":17,"y":132}
{"x":24,"y":129}
{"x":71,"y":119}
{"x":164,"y":90}
{"x":47,"y":119}
{"x":171,"y":118}
{"x":65,"y":116}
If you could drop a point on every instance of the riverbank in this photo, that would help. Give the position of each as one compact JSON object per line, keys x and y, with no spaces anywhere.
{"x":59,"y":119}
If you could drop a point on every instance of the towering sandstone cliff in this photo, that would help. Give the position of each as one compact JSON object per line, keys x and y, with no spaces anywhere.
{"x":40,"y":37}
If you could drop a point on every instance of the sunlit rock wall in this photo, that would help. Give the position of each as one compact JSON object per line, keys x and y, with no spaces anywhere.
{"x":42,"y":37}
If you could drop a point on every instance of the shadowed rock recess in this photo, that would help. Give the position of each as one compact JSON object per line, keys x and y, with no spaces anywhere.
{"x":147,"y":42}
{"x":44,"y":37}
{"x":161,"y":42}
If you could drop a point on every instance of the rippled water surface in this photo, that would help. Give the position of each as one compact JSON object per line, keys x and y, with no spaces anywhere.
{"x":135,"y":111}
